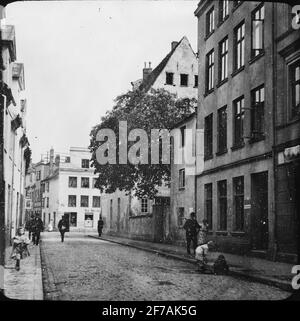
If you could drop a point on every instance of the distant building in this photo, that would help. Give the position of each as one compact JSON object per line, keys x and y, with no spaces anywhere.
{"x":127,"y":215}
{"x":69,"y":189}
{"x":248,"y":88}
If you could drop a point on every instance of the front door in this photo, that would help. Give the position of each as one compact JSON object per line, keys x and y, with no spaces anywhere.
{"x":259,"y":211}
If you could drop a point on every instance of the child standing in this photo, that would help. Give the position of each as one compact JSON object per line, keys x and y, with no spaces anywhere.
{"x":20,"y":250}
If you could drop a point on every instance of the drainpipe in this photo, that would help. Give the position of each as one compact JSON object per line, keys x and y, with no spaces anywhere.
{"x":274,"y":92}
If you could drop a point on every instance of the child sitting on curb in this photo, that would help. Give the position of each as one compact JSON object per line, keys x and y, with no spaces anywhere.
{"x":201,"y":255}
{"x":20,"y":250}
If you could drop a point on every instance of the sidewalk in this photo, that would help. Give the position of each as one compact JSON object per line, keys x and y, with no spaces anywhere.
{"x":25,"y":284}
{"x":254,"y":269}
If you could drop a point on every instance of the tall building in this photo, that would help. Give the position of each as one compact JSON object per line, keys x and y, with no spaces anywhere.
{"x":15,"y":155}
{"x":69,"y":189}
{"x":128,"y":215}
{"x":240,"y":82}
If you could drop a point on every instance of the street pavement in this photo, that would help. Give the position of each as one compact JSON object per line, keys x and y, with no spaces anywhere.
{"x":84,"y":268}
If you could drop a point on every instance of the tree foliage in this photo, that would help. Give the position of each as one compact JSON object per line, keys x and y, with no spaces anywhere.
{"x":157,"y":109}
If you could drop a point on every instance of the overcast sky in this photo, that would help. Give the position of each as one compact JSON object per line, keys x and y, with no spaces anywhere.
{"x":79,"y":55}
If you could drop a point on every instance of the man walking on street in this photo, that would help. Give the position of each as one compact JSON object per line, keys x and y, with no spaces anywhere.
{"x":192,"y":228}
{"x":37,"y":228}
{"x":100,"y":225}
{"x":29,"y":225}
{"x":63,"y":227}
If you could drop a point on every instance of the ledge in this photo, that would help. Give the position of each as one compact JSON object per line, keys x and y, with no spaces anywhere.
{"x":208,"y":157}
{"x":222,"y":21}
{"x":288,"y":123}
{"x":237,"y":71}
{"x":252,"y":60}
{"x":181,"y":189}
{"x":222,"y":152}
{"x":208,"y":35}
{"x":140,"y":216}
{"x":256,"y":140}
{"x":208,"y":92}
{"x":238,"y":233}
{"x":222,"y":82}
{"x":224,"y":233}
{"x":237,"y":6}
{"x":238,"y":146}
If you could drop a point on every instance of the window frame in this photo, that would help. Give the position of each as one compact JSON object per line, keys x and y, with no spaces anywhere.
{"x":210,"y":21}
{"x":98,"y":198}
{"x":210,"y":71}
{"x":181,"y":178}
{"x":168,"y":74}
{"x":222,"y":128}
{"x":222,"y":200}
{"x":87,"y":179}
{"x":256,"y":108}
{"x":181,"y":79}
{"x":253,"y":13}
{"x":236,"y":52}
{"x":82,"y":197}
{"x":180,"y":216}
{"x":223,"y":17}
{"x":74,"y":180}
{"x":238,"y":141}
{"x":83,"y":160}
{"x":208,"y":137}
{"x":144,"y":205}
{"x":239,"y":224}
{"x":293,"y":114}
{"x":208,"y":200}
{"x":223,"y":55}
{"x":69,"y":200}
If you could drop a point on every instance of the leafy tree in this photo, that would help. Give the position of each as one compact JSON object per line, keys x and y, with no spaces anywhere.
{"x":157,"y":109}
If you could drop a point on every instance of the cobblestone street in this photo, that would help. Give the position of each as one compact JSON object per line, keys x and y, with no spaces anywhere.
{"x":84,"y":268}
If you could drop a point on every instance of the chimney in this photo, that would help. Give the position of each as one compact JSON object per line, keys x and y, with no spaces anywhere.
{"x":147,"y":71}
{"x":51,"y":161}
{"x":174,"y":44}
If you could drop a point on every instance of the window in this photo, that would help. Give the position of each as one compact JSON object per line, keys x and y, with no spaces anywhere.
{"x":38,"y":175}
{"x":210,"y":71}
{"x":223,"y":50}
{"x":72,"y":181}
{"x":238,"y":202}
{"x":295,"y":88}
{"x":47,"y":201}
{"x":68,"y":159}
{"x":43,"y":202}
{"x":257,"y":44}
{"x":85,"y":163}
{"x":73,"y":219}
{"x":222,"y":204}
{"x":208,"y":136}
{"x":88,"y":220}
{"x":236,"y":4}
{"x":111,"y":213}
{"x":42,"y":187}
{"x":96,"y":201}
{"x":180,"y":216}
{"x":184,"y":80}
{"x":257,"y":113}
{"x":84,"y":201}
{"x":239,"y":46}
{"x":182,"y":133}
{"x":224,"y":12}
{"x":208,"y":204}
{"x":85,"y":182}
{"x":169,"y":78}
{"x":210,"y":21}
{"x":222,"y":130}
{"x":182,"y":178}
{"x":47,"y":186}
{"x":94,"y":182}
{"x":196,"y":81}
{"x":144,"y":205}
{"x":238,"y":120}
{"x":72,"y":201}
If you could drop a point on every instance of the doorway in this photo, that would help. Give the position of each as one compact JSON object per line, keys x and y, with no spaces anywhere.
{"x":259,"y":211}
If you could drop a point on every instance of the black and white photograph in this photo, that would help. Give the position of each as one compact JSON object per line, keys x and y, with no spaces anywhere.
{"x":150,"y":152}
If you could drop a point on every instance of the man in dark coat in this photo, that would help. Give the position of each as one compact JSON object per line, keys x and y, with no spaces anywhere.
{"x":29,"y":225}
{"x":100,"y":225}
{"x":36,"y":228}
{"x":63,"y":227}
{"x":192,"y":228}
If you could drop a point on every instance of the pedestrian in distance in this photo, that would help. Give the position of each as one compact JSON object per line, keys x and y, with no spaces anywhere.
{"x":203,"y":232}
{"x":63,"y":227}
{"x":192,"y":228}
{"x":37,"y":228}
{"x":29,"y":225}
{"x":100,"y":225}
{"x":201,"y":255}
{"x":20,"y":247}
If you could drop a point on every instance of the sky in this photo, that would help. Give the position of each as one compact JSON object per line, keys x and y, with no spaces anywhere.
{"x":80,"y":55}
